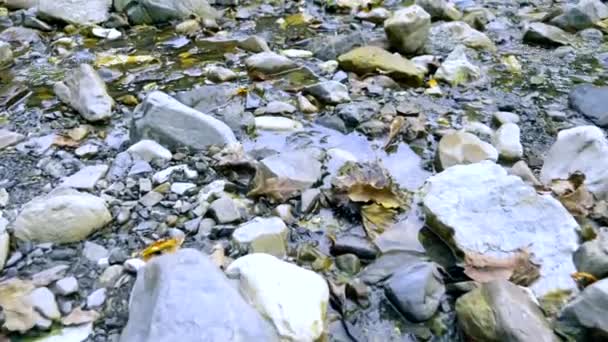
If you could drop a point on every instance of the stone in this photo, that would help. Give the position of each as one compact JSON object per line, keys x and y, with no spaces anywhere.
{"x":96,"y":299}
{"x":353,"y":244}
{"x":523,"y":171}
{"x":4,"y":242}
{"x":4,"y":197}
{"x":109,"y":34}
{"x":407,"y":29}
{"x":278,"y":107}
{"x":162,"y":118}
{"x":329,"y":92}
{"x":109,"y":276}
{"x":348,"y":263}
{"x":85,"y":91}
{"x":376,"y":15}
{"x":69,"y":334}
{"x":262,"y":235}
{"x":134,"y":265}
{"x":151,"y":199}
{"x":590,"y":101}
{"x":8,"y":138}
{"x":165,"y":175}
{"x":476,"y":207}
{"x":150,"y":150}
{"x":6,"y":54}
{"x":585,"y":14}
{"x":157,"y":12}
{"x":508,"y":142}
{"x":306,"y":106}
{"x":592,"y":256}
{"x":300,"y":166}
{"x":43,"y":300}
{"x":266,"y":64}
{"x":369,"y":59}
{"x":225,"y":210}
{"x":296,"y":53}
{"x":20,"y":34}
{"x":543,"y":34}
{"x":444,"y":37}
{"x":255,"y":44}
{"x":86,"y":178}
{"x":330,"y":46}
{"x":416,"y":290}
{"x":48,"y":276}
{"x":77,"y":12}
{"x":220,"y":74}
{"x":583,"y":149}
{"x":440,"y":9}
{"x":457,"y":69}
{"x":269,"y":285}
{"x":211,"y":191}
{"x":94,"y":252}
{"x":63,"y":216}
{"x":182,"y":188}
{"x":501,"y":311}
{"x":357,"y":112}
{"x":167,"y":287}
{"x":588,"y":309}
{"x":277,"y":123}
{"x":66,"y":286}
{"x":463,"y":148}
{"x":506,"y":117}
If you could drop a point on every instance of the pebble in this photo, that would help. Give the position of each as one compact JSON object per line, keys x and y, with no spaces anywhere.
{"x":66,"y":286}
{"x":96,"y":299}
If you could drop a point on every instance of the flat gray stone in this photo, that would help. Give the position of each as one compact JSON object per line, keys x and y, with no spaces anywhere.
{"x":86,"y":178}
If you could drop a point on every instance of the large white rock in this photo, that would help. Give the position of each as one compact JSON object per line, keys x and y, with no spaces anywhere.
{"x":86,"y":178}
{"x":80,"y":12}
{"x":479,"y":208}
{"x":294,"y":299}
{"x":149,"y":150}
{"x":262,"y":235}
{"x":464,"y":148}
{"x":408,"y":28}
{"x":4,"y":241}
{"x":457,"y":69}
{"x":64,"y":215}
{"x":508,"y":143}
{"x":583,"y":149}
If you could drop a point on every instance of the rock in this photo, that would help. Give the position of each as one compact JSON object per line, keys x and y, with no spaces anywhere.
{"x":262,"y":235}
{"x":502,"y":311}
{"x":220,"y":74}
{"x":543,"y":34}
{"x":583,"y":149}
{"x":69,"y":334}
{"x":444,"y":37}
{"x":580,"y":16}
{"x":176,"y":281}
{"x":156,"y":12}
{"x":46,"y":277}
{"x":370,"y":59}
{"x":165,"y":175}
{"x":66,"y":286}
{"x":4,"y":242}
{"x":329,"y":47}
{"x":109,"y":34}
{"x":6,"y":54}
{"x":166,"y":120}
{"x":62,"y":216}
{"x":86,"y":178}
{"x":591,"y":101}
{"x":296,"y":53}
{"x":377,"y":15}
{"x":20,"y":34}
{"x":109,"y":276}
{"x":592,"y":256}
{"x":225,"y":210}
{"x":43,"y":300}
{"x":134,"y":265}
{"x":523,"y":171}
{"x":150,"y":150}
{"x":182,"y":188}
{"x":507,"y":142}
{"x":353,"y":244}
{"x":588,"y":310}
{"x":506,"y":117}
{"x":274,"y":123}
{"x":464,"y":148}
{"x":278,"y":107}
{"x":349,"y":263}
{"x":77,"y":12}
{"x":306,"y":106}
{"x":96,"y":299}
{"x":407,"y":29}
{"x":329,"y":92}
{"x":86,"y":92}
{"x":94,"y":252}
{"x":266,"y":64}
{"x":255,"y":44}
{"x":269,"y":284}
{"x":4,"y":197}
{"x":151,"y":199}
{"x":416,"y":291}
{"x":456,"y":69}
{"x":8,"y":138}
{"x":440,"y":9}
{"x":472,"y":208}
{"x":300,"y":166}
{"x":356,"y":113}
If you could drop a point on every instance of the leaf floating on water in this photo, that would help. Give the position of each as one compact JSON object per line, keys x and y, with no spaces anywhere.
{"x":395,"y":129}
{"x":517,"y":268}
{"x":109,"y":60}
{"x":162,"y":246}
{"x":573,"y":194}
{"x":377,"y":219}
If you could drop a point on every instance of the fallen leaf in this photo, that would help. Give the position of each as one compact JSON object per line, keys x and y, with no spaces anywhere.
{"x":109,"y":60}
{"x":395,"y":128}
{"x":276,"y":188}
{"x":517,"y":268}
{"x":377,"y":219}
{"x":573,"y":194}
{"x":63,"y":141}
{"x":19,"y":314}
{"x":432,"y":83}
{"x":583,"y":278}
{"x":79,"y":316}
{"x":128,"y":100}
{"x":162,"y":246}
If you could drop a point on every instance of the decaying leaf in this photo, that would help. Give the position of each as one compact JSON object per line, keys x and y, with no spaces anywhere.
{"x":109,"y":60}
{"x":583,"y":278}
{"x":298,"y":19}
{"x":162,"y":246}
{"x":19,"y":314}
{"x":64,"y":141}
{"x":79,"y":316}
{"x":395,"y":128}
{"x":573,"y":194}
{"x":517,"y":268}
{"x":368,"y":182}
{"x":377,"y":219}
{"x":265,"y":183}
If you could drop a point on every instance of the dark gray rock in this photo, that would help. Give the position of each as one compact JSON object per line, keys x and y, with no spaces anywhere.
{"x":355,"y":113}
{"x":592,"y":256}
{"x":580,"y":16}
{"x":543,"y":34}
{"x":79,"y":12}
{"x":185,"y":297}
{"x":329,"y":92}
{"x":592,"y":102}
{"x":156,"y":11}
{"x":588,"y":313}
{"x":354,"y":244}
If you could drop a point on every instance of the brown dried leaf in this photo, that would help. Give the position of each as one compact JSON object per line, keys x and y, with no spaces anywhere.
{"x":63,"y":141}
{"x":573,"y":194}
{"x":79,"y":316}
{"x":18,"y":311}
{"x":276,"y":188}
{"x":376,"y":219}
{"x":395,"y":128}
{"x":518,"y":268}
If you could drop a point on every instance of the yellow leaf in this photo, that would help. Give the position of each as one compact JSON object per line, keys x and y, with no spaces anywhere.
{"x":129,"y":100}
{"x":432,"y":83}
{"x":584,"y":278}
{"x":109,"y":60}
{"x":376,"y":219}
{"x":395,"y":128}
{"x":161,"y":246}
{"x":63,"y":141}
